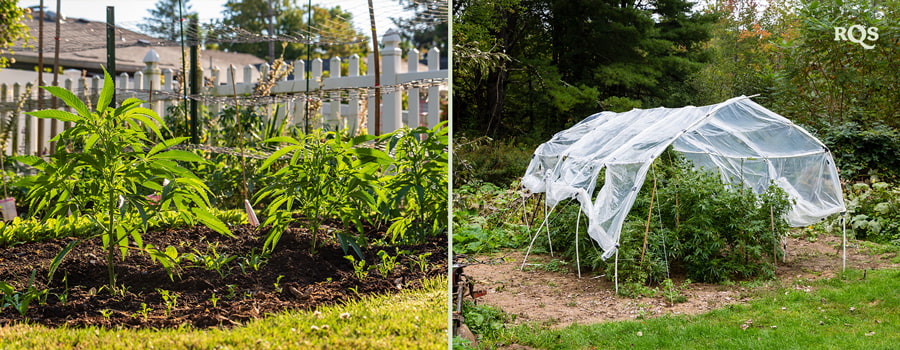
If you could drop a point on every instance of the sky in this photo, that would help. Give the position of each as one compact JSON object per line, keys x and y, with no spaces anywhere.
{"x":130,"y":12}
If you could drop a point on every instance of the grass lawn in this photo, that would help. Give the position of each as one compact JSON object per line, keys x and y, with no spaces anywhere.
{"x":856,"y":311}
{"x":412,"y":319}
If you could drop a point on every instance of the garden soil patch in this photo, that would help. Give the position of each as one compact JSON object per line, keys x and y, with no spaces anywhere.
{"x":77,"y":296}
{"x":558,"y":299}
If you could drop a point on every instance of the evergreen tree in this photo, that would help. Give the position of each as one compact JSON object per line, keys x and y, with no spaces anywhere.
{"x":165,"y":20}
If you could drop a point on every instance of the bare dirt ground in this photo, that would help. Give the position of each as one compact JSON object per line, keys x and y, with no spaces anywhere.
{"x":558,"y":299}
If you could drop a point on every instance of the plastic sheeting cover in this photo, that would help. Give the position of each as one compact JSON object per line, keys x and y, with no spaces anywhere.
{"x":740,"y":138}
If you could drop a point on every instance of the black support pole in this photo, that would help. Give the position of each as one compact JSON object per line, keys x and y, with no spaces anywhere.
{"x":196,"y":81}
{"x":110,"y":46}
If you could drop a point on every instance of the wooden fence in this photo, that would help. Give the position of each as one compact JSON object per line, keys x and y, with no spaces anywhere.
{"x":335,"y":101}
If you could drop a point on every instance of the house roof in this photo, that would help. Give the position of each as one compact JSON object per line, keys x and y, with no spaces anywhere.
{"x":83,"y":46}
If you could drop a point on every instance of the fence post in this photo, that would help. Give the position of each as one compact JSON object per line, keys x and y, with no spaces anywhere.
{"x":413,"y":114}
{"x":300,"y":104}
{"x":370,"y":94}
{"x":316,"y":110}
{"x":354,"y":120}
{"x":151,"y":79}
{"x":30,"y":139}
{"x":216,"y":107}
{"x":434,"y":92}
{"x":95,"y":90}
{"x":334,"y":117}
{"x":4,"y":90}
{"x":392,"y":102}
{"x":248,"y":74}
{"x":168,"y":85}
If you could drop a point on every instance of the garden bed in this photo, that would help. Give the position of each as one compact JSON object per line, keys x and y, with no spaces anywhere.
{"x":290,"y":278}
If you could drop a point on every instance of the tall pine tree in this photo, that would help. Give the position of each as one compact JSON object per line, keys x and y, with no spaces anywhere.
{"x":165,"y":20}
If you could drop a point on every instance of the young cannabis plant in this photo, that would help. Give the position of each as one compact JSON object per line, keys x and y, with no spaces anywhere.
{"x":106,"y":165}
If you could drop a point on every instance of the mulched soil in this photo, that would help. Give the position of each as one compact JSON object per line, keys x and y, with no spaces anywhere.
{"x":308,"y":281}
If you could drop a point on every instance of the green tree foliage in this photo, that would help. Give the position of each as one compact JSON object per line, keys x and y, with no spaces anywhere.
{"x":165,"y":20}
{"x":11,"y":27}
{"x":428,"y":28}
{"x":826,"y":81}
{"x":331,"y":31}
{"x":569,"y":59}
{"x":786,"y":51}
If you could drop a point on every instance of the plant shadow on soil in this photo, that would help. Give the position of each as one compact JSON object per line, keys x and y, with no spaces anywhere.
{"x":204,"y":298}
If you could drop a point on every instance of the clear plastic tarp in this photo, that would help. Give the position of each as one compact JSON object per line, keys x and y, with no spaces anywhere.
{"x":741,"y":139}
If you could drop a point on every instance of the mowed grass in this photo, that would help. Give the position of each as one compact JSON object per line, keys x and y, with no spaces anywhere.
{"x":411,"y":319}
{"x":856,"y":311}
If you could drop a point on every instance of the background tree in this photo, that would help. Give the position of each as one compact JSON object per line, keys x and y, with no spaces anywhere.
{"x":570,"y":59}
{"x":429,"y":26}
{"x":331,"y":29}
{"x":11,"y":27}
{"x":165,"y":20}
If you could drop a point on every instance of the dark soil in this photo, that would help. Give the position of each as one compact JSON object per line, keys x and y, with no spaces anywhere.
{"x":78,"y":295}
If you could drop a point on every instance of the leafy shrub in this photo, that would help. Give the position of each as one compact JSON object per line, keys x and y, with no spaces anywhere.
{"x":873,"y":212}
{"x":483,"y":320}
{"x":711,"y":231}
{"x":327,"y":175}
{"x":416,"y":183}
{"x":486,"y":160}
{"x":862,"y":152}
{"x":487,"y":218}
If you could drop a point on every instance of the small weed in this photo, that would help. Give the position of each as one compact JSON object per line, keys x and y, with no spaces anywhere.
{"x":355,"y":290}
{"x":672,"y":293}
{"x":255,"y":261}
{"x":170,"y":299}
{"x":211,"y":260}
{"x":421,"y":261}
{"x":145,"y":311}
{"x":214,"y":300}
{"x":359,"y":267}
{"x":107,"y":313}
{"x":388,"y":263}
{"x":231,"y":292}
{"x":21,"y":300}
{"x":277,"y":284}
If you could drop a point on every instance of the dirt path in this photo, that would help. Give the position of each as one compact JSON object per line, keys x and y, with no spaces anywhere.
{"x":558,"y":299}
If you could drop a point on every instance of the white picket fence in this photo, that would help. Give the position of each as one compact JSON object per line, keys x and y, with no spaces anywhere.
{"x":338,"y":101}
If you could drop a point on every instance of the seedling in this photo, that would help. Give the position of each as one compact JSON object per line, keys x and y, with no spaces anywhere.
{"x":170,"y":299}
{"x":421,"y":261}
{"x":278,"y":288}
{"x":359,"y":268}
{"x":214,"y":300}
{"x":388,"y":263}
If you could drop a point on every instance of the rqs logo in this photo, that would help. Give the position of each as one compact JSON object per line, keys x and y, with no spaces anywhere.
{"x":857,"y":34}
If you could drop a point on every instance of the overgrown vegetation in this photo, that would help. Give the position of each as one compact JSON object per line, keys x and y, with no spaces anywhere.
{"x":873,"y":213}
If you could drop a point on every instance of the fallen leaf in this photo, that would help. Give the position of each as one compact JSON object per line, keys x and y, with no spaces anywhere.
{"x":870,"y":334}
{"x":641,"y":334}
{"x":774,"y":326}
